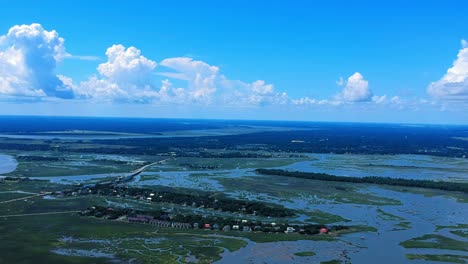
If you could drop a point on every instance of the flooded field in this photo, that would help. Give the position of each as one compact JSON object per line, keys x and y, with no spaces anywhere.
{"x":398,"y":215}
{"x":396,"y":166}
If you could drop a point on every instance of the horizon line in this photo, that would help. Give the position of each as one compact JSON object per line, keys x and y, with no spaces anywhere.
{"x":240,"y":120}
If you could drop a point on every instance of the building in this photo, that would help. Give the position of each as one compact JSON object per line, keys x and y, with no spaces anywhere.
{"x":160,"y":223}
{"x":181,"y":225}
{"x":140,"y":219}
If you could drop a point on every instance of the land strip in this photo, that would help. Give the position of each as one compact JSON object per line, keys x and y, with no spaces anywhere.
{"x":441,"y":185}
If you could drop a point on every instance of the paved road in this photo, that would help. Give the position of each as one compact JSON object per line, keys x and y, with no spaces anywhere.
{"x":128,"y":178}
{"x":134,"y":173}
{"x":33,"y":214}
{"x":24,"y":198}
{"x":140,"y":170}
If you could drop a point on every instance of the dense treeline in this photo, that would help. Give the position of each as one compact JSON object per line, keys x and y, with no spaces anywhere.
{"x":441,"y":185}
{"x":190,"y":199}
{"x":319,"y":138}
{"x":16,"y":179}
{"x":38,"y":158}
{"x":199,"y":221}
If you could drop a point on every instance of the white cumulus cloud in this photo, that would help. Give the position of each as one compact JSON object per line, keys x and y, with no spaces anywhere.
{"x":379,"y":99}
{"x":126,"y":75}
{"x":28,"y":58}
{"x":29,"y":55}
{"x":126,"y":65}
{"x":357,"y":89}
{"x":201,"y":77}
{"x":454,"y":84}
{"x":206,"y":84}
{"x":259,"y":87}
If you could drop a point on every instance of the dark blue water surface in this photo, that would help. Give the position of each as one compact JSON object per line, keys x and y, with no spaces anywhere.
{"x":30,"y":124}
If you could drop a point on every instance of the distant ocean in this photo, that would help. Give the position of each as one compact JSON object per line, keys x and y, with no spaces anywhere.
{"x":32,"y":124}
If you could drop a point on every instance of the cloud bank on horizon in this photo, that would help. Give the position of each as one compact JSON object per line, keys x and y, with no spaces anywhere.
{"x":29,"y":55}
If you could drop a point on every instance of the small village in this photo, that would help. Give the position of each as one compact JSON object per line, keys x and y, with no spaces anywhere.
{"x":167,"y":220}
{"x":173,"y":196}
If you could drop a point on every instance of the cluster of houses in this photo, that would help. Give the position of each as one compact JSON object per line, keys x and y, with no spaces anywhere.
{"x":163,"y":222}
{"x":147,"y":219}
{"x":182,"y":198}
{"x":163,"y":219}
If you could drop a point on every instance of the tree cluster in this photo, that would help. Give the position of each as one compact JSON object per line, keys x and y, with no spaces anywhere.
{"x":441,"y":185}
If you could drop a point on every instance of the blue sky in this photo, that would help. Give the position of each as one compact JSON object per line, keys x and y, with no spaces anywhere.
{"x":362,"y":61}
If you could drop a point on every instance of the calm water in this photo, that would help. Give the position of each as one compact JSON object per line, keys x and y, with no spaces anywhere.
{"x":7,"y":163}
{"x":423,"y":213}
{"x":396,"y":166}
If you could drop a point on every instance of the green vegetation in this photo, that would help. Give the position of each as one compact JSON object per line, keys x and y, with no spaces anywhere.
{"x":459,"y":196}
{"x":268,"y":198}
{"x":359,"y":228}
{"x":45,"y":233}
{"x":305,"y":254}
{"x":442,"y":185}
{"x":435,"y":241}
{"x":5,"y":196}
{"x":461,"y":233}
{"x":310,"y":191}
{"x":459,"y":229}
{"x":276,"y":237}
{"x":443,"y":258}
{"x":334,"y":261}
{"x":321,"y":217}
{"x":160,"y":248}
{"x":388,"y":216}
{"x":404,"y":224}
{"x":439,"y":227}
{"x":149,"y":177}
{"x":226,"y":162}
{"x":71,"y":234}
{"x":200,"y":199}
{"x":69,"y":168}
